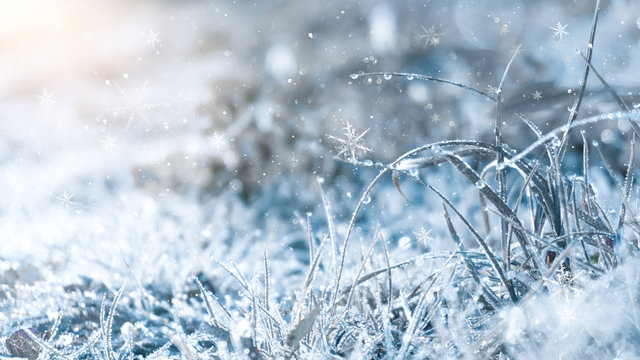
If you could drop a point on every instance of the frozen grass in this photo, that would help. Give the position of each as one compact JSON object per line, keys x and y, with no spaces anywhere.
{"x":530,"y":263}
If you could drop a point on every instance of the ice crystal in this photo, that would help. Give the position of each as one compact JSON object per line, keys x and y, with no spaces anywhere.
{"x":46,"y":98}
{"x":537,"y":95}
{"x":559,"y":31}
{"x":431,"y":36}
{"x":351,"y":145}
{"x":152,"y":39}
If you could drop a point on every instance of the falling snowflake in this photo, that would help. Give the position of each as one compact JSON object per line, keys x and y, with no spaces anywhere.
{"x":66,"y":200}
{"x":137,"y":104}
{"x":559,"y":31}
{"x":109,"y":143}
{"x":491,"y":90}
{"x":152,"y":39}
{"x":217,"y":140}
{"x":351,"y":144}
{"x":504,"y":29}
{"x":46,"y":98}
{"x":431,"y":36}
{"x":435,"y":118}
{"x":423,"y":236}
{"x":537,"y":95}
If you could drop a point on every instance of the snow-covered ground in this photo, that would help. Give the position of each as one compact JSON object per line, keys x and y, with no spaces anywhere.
{"x":148,"y":143}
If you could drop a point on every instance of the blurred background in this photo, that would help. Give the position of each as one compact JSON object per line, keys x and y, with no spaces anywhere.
{"x":210,"y":96}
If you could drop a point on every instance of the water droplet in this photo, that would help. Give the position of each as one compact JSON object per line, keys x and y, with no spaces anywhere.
{"x":311,"y":36}
{"x":480,"y":184}
{"x":349,"y":194}
{"x":367,"y":163}
{"x":409,"y":77}
{"x":366,"y":200}
{"x":595,"y":143}
{"x":404,"y":243}
{"x":413,"y":172}
{"x":387,"y":76}
{"x":555,"y":142}
{"x":320,"y":180}
{"x":354,"y":76}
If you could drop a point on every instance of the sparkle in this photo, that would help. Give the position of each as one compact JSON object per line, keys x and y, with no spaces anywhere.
{"x":435,"y":118}
{"x":431,"y":36}
{"x":66,"y":200}
{"x":537,"y":95}
{"x":351,"y":144}
{"x":46,"y":98}
{"x":152,"y":39}
{"x":559,"y":30}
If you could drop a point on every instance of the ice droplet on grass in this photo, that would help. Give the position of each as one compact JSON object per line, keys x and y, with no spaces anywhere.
{"x":354,"y":76}
{"x":387,"y":76}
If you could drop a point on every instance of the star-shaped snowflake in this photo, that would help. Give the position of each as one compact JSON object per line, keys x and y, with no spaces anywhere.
{"x":504,"y":29}
{"x":423,"y":236}
{"x":351,"y":145}
{"x":152,"y":39}
{"x":559,"y":30}
{"x":217,"y":140}
{"x":537,"y":95}
{"x":431,"y":36}
{"x":109,"y":143}
{"x":435,"y":118}
{"x":46,"y":98}
{"x":66,"y":200}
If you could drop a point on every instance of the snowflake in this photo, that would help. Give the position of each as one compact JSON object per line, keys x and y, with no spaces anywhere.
{"x":152,"y":39}
{"x":559,"y":30}
{"x":537,"y":95}
{"x":109,"y":143}
{"x":217,"y":140}
{"x":46,"y":98}
{"x":431,"y":36}
{"x":435,"y":118}
{"x":504,"y":29}
{"x":66,"y":200}
{"x":492,"y":90}
{"x":137,"y":105}
{"x":423,"y":236}
{"x":351,"y":144}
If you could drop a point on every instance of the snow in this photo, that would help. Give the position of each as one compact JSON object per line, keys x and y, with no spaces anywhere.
{"x":179,"y":150}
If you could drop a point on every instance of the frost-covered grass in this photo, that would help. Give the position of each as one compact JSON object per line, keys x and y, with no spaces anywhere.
{"x":234,"y":231}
